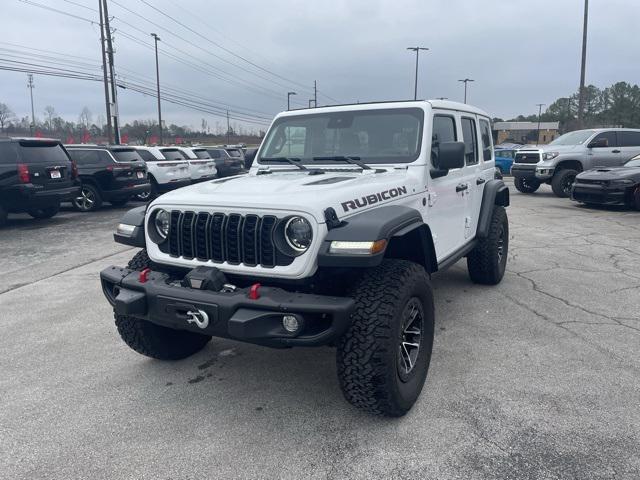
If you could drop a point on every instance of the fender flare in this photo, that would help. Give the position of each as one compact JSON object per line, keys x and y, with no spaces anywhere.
{"x":383,"y":223}
{"x":495,"y":193}
{"x":134,"y":217}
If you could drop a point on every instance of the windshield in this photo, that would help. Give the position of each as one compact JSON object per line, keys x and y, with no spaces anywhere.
{"x":201,"y":153}
{"x":376,"y":136}
{"x":573,"y":138}
{"x":634,"y":162}
{"x":173,"y":154}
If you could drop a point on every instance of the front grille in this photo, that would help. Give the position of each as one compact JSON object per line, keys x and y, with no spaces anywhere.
{"x":592,"y":181}
{"x":527,"y":158}
{"x":232,"y":238}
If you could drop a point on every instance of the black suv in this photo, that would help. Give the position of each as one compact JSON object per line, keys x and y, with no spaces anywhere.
{"x":229,"y":161}
{"x":108,"y":172}
{"x":35,"y":176}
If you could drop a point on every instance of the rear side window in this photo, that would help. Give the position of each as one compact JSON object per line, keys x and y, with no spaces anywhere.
{"x":128,"y":155}
{"x":8,"y":153}
{"x":147,"y":156}
{"x":470,"y":138}
{"x":173,"y":154}
{"x":485,"y":135}
{"x":42,"y":152}
{"x":202,"y":154}
{"x":85,"y":157}
{"x":234,"y":153}
{"x":629,"y":139}
{"x":611,"y":137}
{"x":214,"y":153}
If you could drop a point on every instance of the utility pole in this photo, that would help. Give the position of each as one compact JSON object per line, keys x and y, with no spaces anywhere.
{"x":30,"y":85}
{"x":315,"y":94}
{"x":417,"y":50}
{"x":465,"y":81}
{"x":112,"y":76}
{"x":156,"y":38}
{"x":583,"y":65}
{"x":105,"y":75}
{"x":540,"y":105}
{"x":289,"y":99}
{"x":228,"y":129}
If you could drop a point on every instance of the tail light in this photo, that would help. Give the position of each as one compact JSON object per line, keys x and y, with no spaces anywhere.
{"x":23,"y":173}
{"x":74,"y":169}
{"x":113,"y":167}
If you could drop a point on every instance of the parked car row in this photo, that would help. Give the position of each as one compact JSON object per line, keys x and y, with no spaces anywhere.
{"x":37,"y":175}
{"x":594,"y":166}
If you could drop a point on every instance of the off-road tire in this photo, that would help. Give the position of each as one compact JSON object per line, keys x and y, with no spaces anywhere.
{"x":524,"y":185}
{"x":3,"y":216}
{"x":368,"y":354}
{"x":153,"y":340}
{"x":119,"y":203}
{"x":83,"y":206}
{"x":561,"y":182}
{"x":487,"y":262}
{"x":44,"y":212}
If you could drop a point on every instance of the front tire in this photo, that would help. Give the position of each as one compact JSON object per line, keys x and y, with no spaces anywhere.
{"x":44,"y":212}
{"x":524,"y":185}
{"x":562,"y":182}
{"x":487,"y":262}
{"x":153,"y":340}
{"x":384,"y":356}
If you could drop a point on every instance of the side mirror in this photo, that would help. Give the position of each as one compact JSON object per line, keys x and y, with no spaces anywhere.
{"x":450,"y":155}
{"x":599,"y":143}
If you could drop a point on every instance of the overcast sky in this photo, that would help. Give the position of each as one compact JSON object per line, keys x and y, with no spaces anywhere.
{"x":520,"y":52}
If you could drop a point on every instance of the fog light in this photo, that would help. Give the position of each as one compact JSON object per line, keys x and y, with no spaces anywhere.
{"x":290,"y":323}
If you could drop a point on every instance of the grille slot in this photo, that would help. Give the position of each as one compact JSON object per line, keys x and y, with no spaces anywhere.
{"x":232,"y":238}
{"x":527,"y":158}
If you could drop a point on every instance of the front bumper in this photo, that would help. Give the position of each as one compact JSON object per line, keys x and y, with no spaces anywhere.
{"x":521,"y":170}
{"x":598,"y":194}
{"x":231,"y":314}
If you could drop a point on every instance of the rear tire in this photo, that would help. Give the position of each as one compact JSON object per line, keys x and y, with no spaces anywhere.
{"x":562,"y":182}
{"x":487,"y":262}
{"x":88,"y":200}
{"x":151,"y":194}
{"x":380,"y":369}
{"x":524,"y":185}
{"x":44,"y":212}
{"x":153,"y":340}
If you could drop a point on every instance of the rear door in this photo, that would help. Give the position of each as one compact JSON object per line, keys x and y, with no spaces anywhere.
{"x":47,"y":163}
{"x":608,"y":156}
{"x":629,"y":144}
{"x":473,"y":174}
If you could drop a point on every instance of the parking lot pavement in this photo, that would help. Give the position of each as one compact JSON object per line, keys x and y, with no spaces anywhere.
{"x":538,"y":378}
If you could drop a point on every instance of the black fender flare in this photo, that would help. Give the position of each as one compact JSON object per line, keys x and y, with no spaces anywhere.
{"x":134,"y":217}
{"x":383,"y":223}
{"x":495,"y":193}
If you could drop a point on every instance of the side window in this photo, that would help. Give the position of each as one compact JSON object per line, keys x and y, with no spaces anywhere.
{"x":470,"y":138}
{"x":611,"y":137}
{"x":84,"y":157}
{"x":214,"y":153}
{"x":629,"y":139}
{"x":104,"y":157}
{"x":444,"y":130}
{"x":485,"y":134}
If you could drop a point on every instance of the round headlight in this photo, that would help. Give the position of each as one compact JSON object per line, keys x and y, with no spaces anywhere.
{"x":161,"y":221}
{"x":298,"y":234}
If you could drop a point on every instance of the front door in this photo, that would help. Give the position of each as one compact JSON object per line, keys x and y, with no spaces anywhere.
{"x":608,"y":156}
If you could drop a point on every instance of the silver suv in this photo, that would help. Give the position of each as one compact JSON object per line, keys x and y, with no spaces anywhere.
{"x":559,"y":162}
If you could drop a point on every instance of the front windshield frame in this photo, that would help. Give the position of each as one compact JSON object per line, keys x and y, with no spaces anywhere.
{"x":577,"y":137}
{"x":633,"y":163}
{"x":417,"y":112}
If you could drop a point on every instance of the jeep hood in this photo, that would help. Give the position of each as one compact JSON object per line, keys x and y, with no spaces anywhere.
{"x":296,"y":191}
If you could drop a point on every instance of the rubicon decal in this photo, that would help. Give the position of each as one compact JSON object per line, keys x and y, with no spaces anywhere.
{"x":373,"y":198}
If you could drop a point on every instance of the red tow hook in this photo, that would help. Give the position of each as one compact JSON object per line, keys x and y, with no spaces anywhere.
{"x":144,"y":275}
{"x":254,"y":292}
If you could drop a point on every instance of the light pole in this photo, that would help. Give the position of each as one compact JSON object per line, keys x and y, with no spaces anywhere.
{"x":583,"y":64}
{"x":156,"y":39}
{"x":33,"y":115}
{"x":540,"y":105}
{"x":417,"y":50}
{"x":289,"y":99}
{"x":465,"y":81}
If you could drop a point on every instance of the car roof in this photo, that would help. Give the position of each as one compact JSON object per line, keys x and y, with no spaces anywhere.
{"x":30,"y":139}
{"x":94,"y":146}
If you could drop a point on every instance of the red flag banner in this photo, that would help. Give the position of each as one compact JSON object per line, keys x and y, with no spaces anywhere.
{"x":70,"y":140}
{"x":125,"y":138}
{"x":38,"y":134}
{"x":86,"y":137}
{"x":153,"y":140}
{"x":179,"y":140}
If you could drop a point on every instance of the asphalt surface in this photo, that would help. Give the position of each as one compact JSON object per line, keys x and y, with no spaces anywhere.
{"x":537,"y":378}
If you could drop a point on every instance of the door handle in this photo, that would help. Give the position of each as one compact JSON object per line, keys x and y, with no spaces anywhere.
{"x":462,"y":187}
{"x":615,"y":151}
{"x":480,"y":181}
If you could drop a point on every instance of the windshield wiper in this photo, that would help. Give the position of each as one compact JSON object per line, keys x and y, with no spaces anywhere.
{"x":292,"y":161}
{"x":343,"y":158}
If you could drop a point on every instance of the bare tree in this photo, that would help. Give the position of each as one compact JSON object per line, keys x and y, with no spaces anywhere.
{"x":50,"y":114}
{"x":6,"y":114}
{"x":85,"y":118}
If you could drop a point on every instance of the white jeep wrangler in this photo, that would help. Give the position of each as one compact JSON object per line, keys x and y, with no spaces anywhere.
{"x":330,"y":239}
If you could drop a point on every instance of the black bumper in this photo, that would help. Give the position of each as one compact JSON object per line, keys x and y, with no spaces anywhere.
{"x":597,"y":194}
{"x":126,"y":191}
{"x":231,"y":314}
{"x":527,"y":171}
{"x":203,"y":179}
{"x":25,"y":197}
{"x":167,"y":187}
